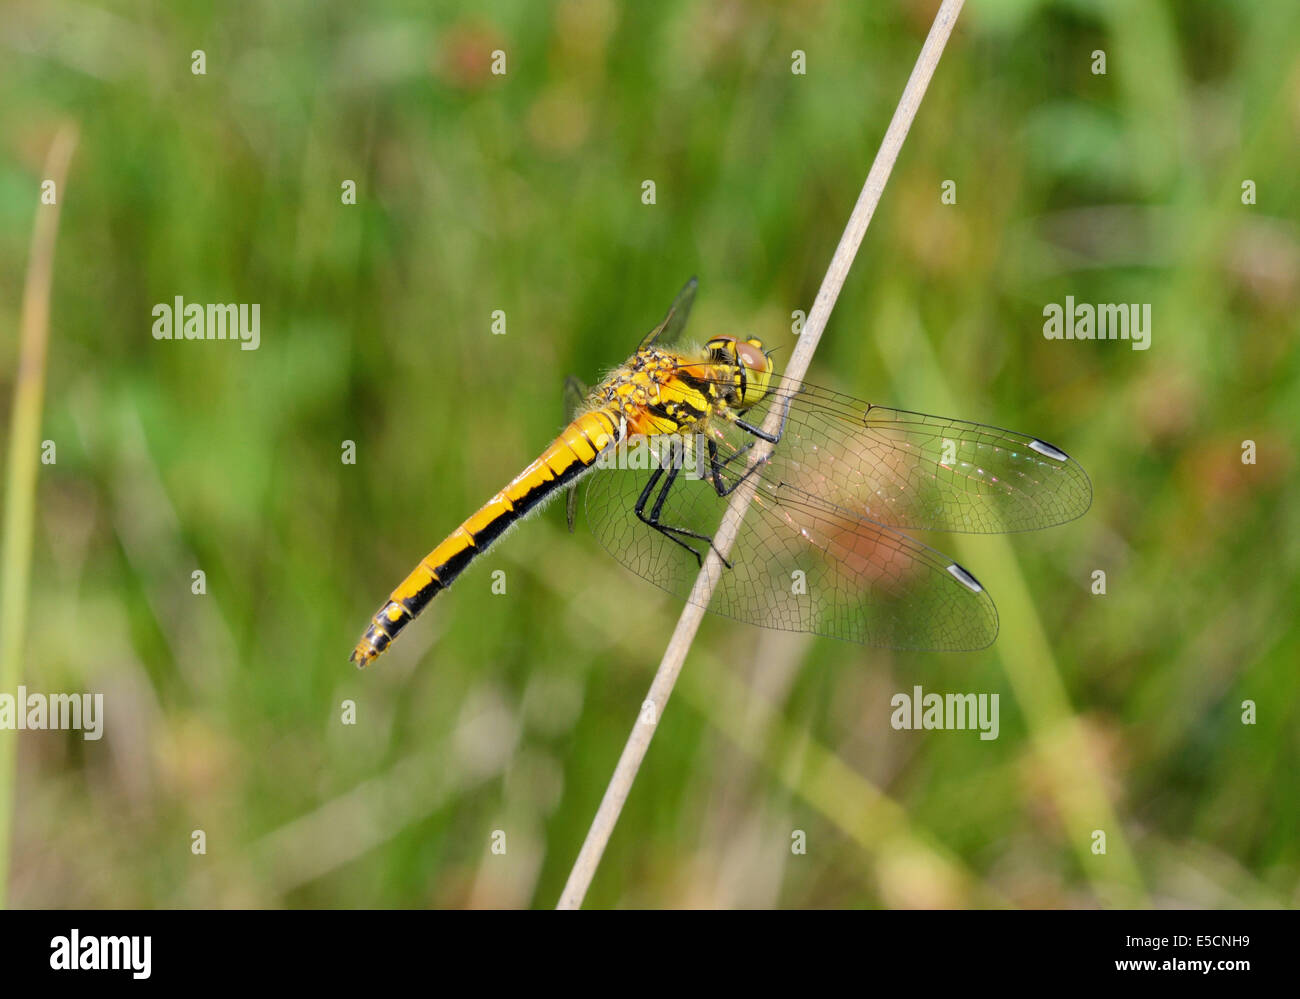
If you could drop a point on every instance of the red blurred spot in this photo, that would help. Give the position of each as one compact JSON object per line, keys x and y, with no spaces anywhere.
{"x":465,"y":54}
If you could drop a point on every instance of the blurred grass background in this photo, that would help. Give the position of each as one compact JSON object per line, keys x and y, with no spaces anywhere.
{"x":522,"y":193}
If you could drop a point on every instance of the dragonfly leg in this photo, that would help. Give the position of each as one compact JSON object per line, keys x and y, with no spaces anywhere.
{"x":716,"y":466}
{"x":761,"y":434}
{"x":668,"y":530}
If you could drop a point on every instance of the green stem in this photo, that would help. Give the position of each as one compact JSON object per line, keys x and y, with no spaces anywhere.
{"x":24,"y":459}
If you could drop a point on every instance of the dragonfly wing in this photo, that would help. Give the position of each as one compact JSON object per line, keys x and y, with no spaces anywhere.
{"x":918,"y":472}
{"x":576,"y":394}
{"x":798,"y":565}
{"x":671,"y":330}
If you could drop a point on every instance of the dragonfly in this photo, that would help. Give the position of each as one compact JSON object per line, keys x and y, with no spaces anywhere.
{"x":665,"y":438}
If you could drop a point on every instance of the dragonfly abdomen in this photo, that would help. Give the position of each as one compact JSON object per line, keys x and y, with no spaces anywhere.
{"x":568,"y":457}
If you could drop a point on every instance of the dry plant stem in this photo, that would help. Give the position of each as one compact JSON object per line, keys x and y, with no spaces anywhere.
{"x":620,"y":785}
{"x":24,"y":460}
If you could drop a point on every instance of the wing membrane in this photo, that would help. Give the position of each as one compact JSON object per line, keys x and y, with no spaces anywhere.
{"x":917,"y":472}
{"x":799,"y":563}
{"x":673,"y":327}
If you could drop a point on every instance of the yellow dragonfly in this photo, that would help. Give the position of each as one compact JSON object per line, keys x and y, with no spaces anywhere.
{"x":667,"y":436}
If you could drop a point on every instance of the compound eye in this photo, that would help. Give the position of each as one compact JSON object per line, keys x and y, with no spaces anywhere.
{"x":750,"y":354}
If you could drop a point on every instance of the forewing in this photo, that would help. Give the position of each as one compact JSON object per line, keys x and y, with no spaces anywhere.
{"x":576,"y":394}
{"x":917,"y":472}
{"x":670,"y":332}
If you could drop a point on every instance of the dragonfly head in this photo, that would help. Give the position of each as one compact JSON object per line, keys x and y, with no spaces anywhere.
{"x":748,"y":356}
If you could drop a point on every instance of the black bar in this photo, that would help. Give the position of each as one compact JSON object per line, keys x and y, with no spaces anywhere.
{"x":900,"y":951}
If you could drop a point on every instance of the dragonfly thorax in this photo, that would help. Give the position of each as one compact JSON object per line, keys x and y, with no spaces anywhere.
{"x":666,"y":392}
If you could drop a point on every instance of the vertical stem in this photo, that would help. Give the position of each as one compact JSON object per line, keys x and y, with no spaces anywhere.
{"x":24,"y":460}
{"x":620,"y":784}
